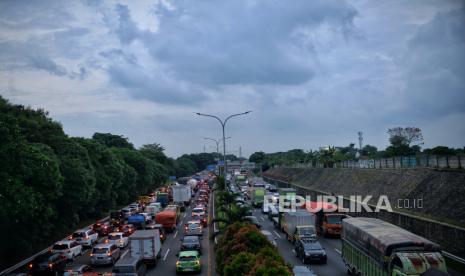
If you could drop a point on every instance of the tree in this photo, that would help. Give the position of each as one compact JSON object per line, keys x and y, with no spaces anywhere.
{"x":111,"y":140}
{"x":257,"y":157}
{"x":405,"y":136}
{"x":369,"y":151}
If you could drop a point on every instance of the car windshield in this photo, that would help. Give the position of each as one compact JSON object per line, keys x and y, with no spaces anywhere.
{"x":99,"y":250}
{"x":188,"y":239}
{"x":79,"y":235}
{"x":335,"y":219}
{"x":114,"y":237}
{"x":312,"y":246}
{"x":307,"y":232}
{"x":60,"y":246}
{"x":193,"y":225}
{"x":187,"y":259}
{"x":197,"y":210}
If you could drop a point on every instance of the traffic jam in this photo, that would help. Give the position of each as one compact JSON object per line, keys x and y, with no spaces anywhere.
{"x":161,"y":232}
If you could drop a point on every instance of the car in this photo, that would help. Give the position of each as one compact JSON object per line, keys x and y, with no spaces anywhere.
{"x":300,"y":270}
{"x":191,"y":243}
{"x":102,"y":228}
{"x":310,"y":250}
{"x":68,"y":248}
{"x":47,"y":263}
{"x":129,"y":266}
{"x":188,"y":261}
{"x":202,"y":219}
{"x":127,"y":212}
{"x":198,"y":211}
{"x":253,"y":220}
{"x":77,"y":269}
{"x":117,"y":238}
{"x":136,"y":207}
{"x":86,"y":237}
{"x":127,"y":229}
{"x":193,"y":227}
{"x":103,"y":254}
{"x":269,"y":236}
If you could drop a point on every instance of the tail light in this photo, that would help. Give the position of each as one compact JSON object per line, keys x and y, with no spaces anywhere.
{"x":108,"y":254}
{"x":107,"y":241}
{"x":91,"y":254}
{"x":50,"y":265}
{"x":30,"y":266}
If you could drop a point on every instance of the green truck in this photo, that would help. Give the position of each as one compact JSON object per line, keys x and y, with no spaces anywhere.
{"x":373,"y":247}
{"x":258,"y":197}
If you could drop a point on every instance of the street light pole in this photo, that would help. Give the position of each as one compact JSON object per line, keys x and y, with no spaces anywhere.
{"x":223,"y":124}
{"x":217,"y":141}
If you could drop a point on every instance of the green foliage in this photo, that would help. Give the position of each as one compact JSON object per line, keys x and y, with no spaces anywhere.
{"x":49,"y":182}
{"x":243,"y":250}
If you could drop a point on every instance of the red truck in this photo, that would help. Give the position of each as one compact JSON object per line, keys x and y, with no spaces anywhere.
{"x":168,"y":219}
{"x":327,"y":223}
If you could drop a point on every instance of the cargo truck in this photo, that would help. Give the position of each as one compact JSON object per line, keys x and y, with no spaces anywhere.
{"x":145,"y":245}
{"x":153,"y":209}
{"x":328,"y":218}
{"x":182,"y":194}
{"x":288,"y":194}
{"x":168,"y":219}
{"x":298,"y":224}
{"x":138,"y":220}
{"x":258,"y":197}
{"x":163,"y":198}
{"x":373,"y":247}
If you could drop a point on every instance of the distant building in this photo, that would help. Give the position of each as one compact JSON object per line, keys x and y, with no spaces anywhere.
{"x":240,"y":165}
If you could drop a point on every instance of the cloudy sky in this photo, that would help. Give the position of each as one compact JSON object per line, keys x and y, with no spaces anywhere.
{"x":314,"y":73}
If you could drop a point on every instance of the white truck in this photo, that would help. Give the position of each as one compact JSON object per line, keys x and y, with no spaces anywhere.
{"x":182,"y":193}
{"x":298,"y":224}
{"x":153,"y":209}
{"x":145,"y":245}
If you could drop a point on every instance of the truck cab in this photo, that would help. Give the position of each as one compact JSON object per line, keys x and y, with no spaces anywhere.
{"x":304,"y":231}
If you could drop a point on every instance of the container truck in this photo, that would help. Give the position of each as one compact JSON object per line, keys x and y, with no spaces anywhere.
{"x":328,"y":218}
{"x":162,"y":198}
{"x":298,"y":224}
{"x":193,"y":183}
{"x":153,"y":209}
{"x":373,"y":247}
{"x":258,"y":197}
{"x":287,"y":194}
{"x":145,"y":245}
{"x":168,"y":219}
{"x":182,"y":193}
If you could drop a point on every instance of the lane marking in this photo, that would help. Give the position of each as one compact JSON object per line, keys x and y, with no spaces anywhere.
{"x":338,"y":251}
{"x":124,"y":254}
{"x":175,"y":233}
{"x":166,"y":254}
{"x":184,"y":215}
{"x":262,"y":218}
{"x":279,"y":236}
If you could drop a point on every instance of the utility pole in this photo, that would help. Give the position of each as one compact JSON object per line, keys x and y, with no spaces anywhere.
{"x":360,"y":140}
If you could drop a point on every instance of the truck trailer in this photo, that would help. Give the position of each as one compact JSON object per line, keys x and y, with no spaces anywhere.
{"x":374,"y":247}
{"x":182,"y":193}
{"x":145,"y":245}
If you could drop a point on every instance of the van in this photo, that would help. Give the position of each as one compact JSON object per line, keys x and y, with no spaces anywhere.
{"x":129,"y":266}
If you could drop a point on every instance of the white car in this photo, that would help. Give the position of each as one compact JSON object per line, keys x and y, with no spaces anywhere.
{"x":118,"y":238}
{"x":85,"y":237}
{"x":147,"y":216}
{"x":68,"y":248}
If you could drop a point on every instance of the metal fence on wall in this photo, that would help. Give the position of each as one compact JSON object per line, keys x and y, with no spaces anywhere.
{"x":424,"y":161}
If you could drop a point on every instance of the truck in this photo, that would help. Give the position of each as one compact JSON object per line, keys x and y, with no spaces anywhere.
{"x":168,"y":219}
{"x":287,"y":194}
{"x":258,"y":196}
{"x":138,"y":220}
{"x":145,"y":245}
{"x":144,"y":200}
{"x":182,"y":193}
{"x":298,"y":224}
{"x":193,"y":183}
{"x":374,"y":247}
{"x":162,"y":198}
{"x":152,"y":209}
{"x":328,"y":223}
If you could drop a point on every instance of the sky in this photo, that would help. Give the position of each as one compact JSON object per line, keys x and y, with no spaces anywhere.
{"x":313,"y":73}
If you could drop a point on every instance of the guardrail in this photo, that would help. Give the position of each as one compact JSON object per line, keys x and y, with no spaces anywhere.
{"x":26,"y":261}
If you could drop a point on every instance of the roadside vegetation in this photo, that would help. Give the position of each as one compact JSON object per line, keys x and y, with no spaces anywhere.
{"x":242,"y":249}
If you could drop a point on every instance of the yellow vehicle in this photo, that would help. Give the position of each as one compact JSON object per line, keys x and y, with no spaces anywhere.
{"x":144,"y":200}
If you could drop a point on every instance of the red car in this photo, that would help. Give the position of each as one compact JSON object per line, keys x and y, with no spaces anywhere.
{"x":127,"y":229}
